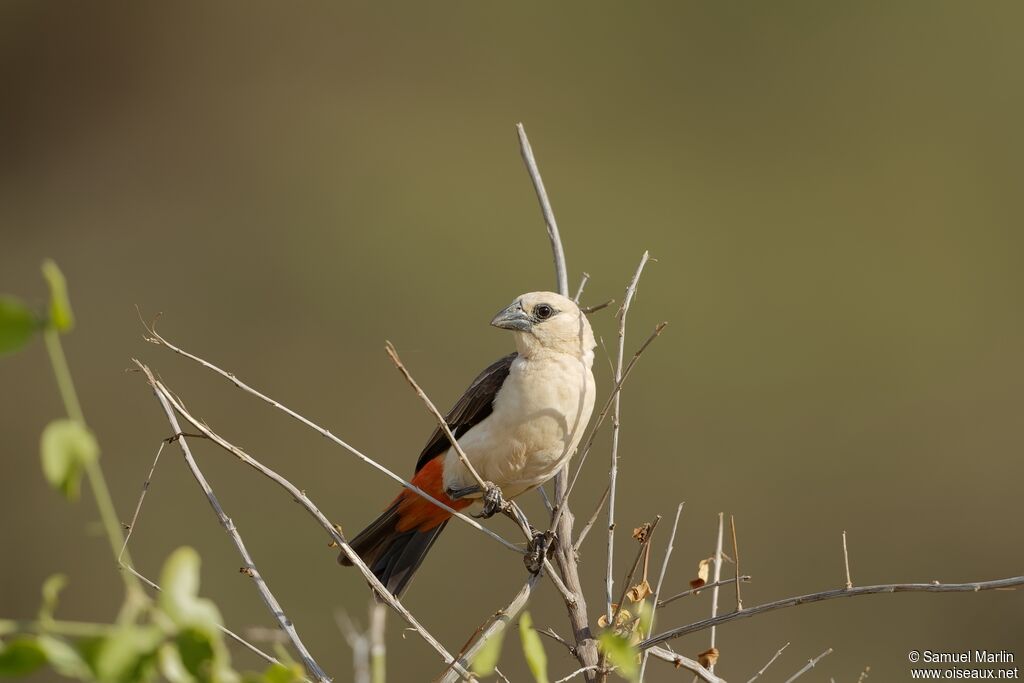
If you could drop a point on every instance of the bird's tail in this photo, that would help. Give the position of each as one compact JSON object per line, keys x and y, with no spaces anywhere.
{"x":393,"y":545}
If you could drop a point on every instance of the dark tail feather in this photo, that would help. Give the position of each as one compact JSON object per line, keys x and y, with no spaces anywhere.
{"x":392,"y":555}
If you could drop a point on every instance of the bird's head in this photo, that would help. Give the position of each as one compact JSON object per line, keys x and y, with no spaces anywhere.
{"x":548,"y":321}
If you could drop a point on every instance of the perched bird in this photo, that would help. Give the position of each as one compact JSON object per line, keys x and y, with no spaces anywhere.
{"x":518,"y":422}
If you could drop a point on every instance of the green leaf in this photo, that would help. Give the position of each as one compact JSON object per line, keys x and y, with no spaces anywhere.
{"x":21,"y":657}
{"x":17,"y":324}
{"x":129,"y":655}
{"x":179,"y":598}
{"x":621,"y":654}
{"x":171,"y":666}
{"x":279,"y":673}
{"x":66,"y":447}
{"x":533,"y":649}
{"x":51,"y":590}
{"x":487,"y":658}
{"x":64,"y":659}
{"x":61,"y":317}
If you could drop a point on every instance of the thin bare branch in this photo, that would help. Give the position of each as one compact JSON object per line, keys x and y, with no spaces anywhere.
{"x":251,"y":570}
{"x":561,"y":273}
{"x":680,"y":661}
{"x":770,"y":662}
{"x":441,"y":422}
{"x":378,"y":653}
{"x":846,"y":562}
{"x":810,"y":665}
{"x":717,"y":582}
{"x":600,"y":421}
{"x":155,"y":338}
{"x":657,"y":589}
{"x":597,"y":307}
{"x":579,"y":290}
{"x":307,"y":504}
{"x":1012,"y":582}
{"x":736,"y":560}
{"x":359,"y":643}
{"x":640,"y":554}
{"x":577,"y":672}
{"x":142,"y":498}
{"x":498,"y":622}
{"x":614,"y":469}
{"x":707,"y":586}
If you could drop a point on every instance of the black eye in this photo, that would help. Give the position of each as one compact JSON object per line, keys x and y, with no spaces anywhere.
{"x":543,"y":311}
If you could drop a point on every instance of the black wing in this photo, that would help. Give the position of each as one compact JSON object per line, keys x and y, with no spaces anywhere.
{"x":475,"y":405}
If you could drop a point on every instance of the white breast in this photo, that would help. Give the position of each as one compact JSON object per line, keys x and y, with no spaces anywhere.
{"x":539,"y":417}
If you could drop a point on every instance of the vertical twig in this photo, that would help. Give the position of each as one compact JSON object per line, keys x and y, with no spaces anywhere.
{"x":846,"y":562}
{"x":718,"y":577}
{"x":561,"y":273}
{"x":736,"y":560}
{"x":378,"y":654}
{"x":565,"y":556}
{"x":579,"y":290}
{"x":614,"y":470}
{"x":360,"y":646}
{"x":657,"y":589}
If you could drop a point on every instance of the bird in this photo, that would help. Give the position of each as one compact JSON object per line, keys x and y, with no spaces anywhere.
{"x":518,"y":423}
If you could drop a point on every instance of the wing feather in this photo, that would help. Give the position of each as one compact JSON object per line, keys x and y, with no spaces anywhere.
{"x":474,"y":406}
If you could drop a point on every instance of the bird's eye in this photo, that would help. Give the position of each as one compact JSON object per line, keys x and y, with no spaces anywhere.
{"x":543,"y":311}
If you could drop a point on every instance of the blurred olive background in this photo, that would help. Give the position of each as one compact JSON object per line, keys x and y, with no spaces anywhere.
{"x":833,"y":194}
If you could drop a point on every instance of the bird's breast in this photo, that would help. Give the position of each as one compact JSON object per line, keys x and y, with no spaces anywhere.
{"x":539,"y":416}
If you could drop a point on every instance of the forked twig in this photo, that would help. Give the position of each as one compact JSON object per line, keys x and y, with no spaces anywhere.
{"x":657,"y":589}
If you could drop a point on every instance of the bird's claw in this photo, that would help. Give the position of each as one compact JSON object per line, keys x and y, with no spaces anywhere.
{"x":494,"y":502}
{"x":537,"y":550}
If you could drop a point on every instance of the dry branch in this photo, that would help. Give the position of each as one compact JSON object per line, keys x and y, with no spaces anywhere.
{"x":251,"y":570}
{"x":934,"y":587}
{"x":614,"y":469}
{"x":300,"y":497}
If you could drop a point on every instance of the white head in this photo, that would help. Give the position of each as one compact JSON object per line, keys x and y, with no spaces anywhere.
{"x":545,"y":321}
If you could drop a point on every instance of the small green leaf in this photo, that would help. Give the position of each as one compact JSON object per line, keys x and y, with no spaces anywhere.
{"x":533,"y":649}
{"x":621,"y":654}
{"x":171,"y":666}
{"x":21,"y":656}
{"x":61,"y":317}
{"x":279,"y":673}
{"x":51,"y":591}
{"x":179,"y":598}
{"x":487,"y":658}
{"x":129,"y":655}
{"x":64,"y":659}
{"x":66,"y":447}
{"x":17,"y":324}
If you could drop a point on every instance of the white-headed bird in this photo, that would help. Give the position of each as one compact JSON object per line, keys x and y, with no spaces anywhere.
{"x":518,"y":423}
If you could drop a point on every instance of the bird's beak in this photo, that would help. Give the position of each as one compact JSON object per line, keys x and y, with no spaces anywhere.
{"x":513,"y":318}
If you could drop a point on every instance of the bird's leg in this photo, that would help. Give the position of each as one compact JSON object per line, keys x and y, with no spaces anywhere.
{"x":537,"y":550}
{"x":494,"y":502}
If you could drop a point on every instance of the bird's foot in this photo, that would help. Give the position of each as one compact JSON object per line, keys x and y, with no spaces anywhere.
{"x":537,"y":550}
{"x":494,"y":502}
{"x":457,"y":493}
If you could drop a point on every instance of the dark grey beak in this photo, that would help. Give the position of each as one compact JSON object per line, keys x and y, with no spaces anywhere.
{"x":513,"y":318}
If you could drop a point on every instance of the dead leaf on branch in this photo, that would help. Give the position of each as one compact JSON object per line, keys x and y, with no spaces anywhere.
{"x":708,"y":658}
{"x":639,"y":591}
{"x":703,"y":569}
